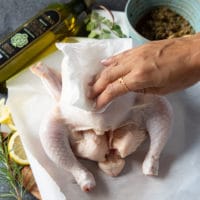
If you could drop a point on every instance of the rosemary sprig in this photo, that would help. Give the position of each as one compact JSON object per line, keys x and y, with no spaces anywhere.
{"x":10,"y":173}
{"x":102,"y":28}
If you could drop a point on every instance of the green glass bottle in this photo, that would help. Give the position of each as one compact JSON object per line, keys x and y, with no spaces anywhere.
{"x":52,"y":24}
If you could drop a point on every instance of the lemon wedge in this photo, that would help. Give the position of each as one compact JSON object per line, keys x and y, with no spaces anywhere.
{"x":16,"y":150}
{"x":5,"y":116}
{"x":4,"y":111}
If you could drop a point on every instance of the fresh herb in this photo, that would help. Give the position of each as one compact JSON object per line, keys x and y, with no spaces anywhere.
{"x":13,"y":173}
{"x":10,"y":173}
{"x":102,"y":28}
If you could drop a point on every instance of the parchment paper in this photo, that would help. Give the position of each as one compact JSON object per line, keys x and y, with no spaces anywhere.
{"x":179,"y":174}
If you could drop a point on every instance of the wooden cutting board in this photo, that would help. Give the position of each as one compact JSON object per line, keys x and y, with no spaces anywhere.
{"x":29,"y":182}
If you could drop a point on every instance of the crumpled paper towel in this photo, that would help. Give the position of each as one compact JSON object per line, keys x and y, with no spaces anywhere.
{"x":179,"y":174}
{"x":81,"y":62}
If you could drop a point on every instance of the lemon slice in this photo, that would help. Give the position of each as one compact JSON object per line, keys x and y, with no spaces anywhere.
{"x":16,"y":150}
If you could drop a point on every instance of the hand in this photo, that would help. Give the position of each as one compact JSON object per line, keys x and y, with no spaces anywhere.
{"x":158,"y":67}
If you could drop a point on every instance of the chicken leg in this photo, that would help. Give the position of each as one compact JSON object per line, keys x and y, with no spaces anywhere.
{"x":54,"y":138}
{"x":51,"y":79}
{"x":158,"y":125}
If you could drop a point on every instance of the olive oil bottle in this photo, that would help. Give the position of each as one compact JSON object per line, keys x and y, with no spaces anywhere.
{"x":52,"y":24}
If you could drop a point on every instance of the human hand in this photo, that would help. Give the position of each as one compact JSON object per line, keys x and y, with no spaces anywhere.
{"x":158,"y":67}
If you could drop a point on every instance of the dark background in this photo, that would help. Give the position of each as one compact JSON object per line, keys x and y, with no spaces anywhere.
{"x":15,"y":12}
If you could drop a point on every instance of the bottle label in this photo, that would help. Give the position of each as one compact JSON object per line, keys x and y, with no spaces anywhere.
{"x":28,"y":33}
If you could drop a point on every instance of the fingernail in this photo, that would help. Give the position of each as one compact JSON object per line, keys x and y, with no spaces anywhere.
{"x":89,"y":93}
{"x":106,"y":61}
{"x":103,"y":61}
{"x":95,"y":107}
{"x":91,"y":83}
{"x":91,"y":80}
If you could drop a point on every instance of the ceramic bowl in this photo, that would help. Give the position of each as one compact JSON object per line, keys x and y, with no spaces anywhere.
{"x":136,"y":9}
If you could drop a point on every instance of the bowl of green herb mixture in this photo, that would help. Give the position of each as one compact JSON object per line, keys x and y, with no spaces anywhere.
{"x":149,"y":20}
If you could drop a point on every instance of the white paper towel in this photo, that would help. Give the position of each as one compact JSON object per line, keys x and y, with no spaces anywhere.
{"x":81,"y":62}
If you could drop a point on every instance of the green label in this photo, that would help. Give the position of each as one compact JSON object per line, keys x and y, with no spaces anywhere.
{"x":19,"y":40}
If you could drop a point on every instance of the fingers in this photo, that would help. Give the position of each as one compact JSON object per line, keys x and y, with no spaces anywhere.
{"x":111,"y":83}
{"x":113,"y":90}
{"x":111,"y":61}
{"x":116,"y":59}
{"x":107,"y":76}
{"x":117,"y":88}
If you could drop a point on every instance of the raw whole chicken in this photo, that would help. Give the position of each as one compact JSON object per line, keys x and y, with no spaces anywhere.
{"x":65,"y":135}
